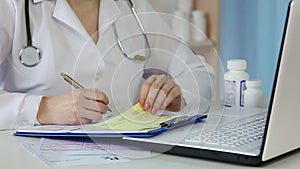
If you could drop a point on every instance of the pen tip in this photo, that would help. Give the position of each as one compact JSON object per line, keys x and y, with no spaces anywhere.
{"x":62,"y":74}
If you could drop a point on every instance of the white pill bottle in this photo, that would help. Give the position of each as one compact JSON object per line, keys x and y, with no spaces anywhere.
{"x":253,"y":95}
{"x":235,"y":83}
{"x":198,"y":19}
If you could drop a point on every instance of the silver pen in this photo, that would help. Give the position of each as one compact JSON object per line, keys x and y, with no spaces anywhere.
{"x":75,"y":84}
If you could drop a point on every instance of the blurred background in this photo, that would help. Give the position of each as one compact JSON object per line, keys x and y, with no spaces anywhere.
{"x":247,"y":29}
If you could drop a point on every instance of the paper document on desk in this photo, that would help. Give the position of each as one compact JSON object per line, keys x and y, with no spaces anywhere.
{"x":74,"y":152}
{"x":135,"y":122}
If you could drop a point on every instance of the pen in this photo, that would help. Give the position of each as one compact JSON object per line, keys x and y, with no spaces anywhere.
{"x":183,"y":120}
{"x":71,"y":81}
{"x":75,"y":84}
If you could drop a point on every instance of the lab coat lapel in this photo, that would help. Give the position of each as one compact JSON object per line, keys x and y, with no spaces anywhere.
{"x":107,"y":17}
{"x":64,"y":13}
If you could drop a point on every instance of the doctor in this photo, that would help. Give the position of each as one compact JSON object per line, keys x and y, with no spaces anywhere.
{"x":77,"y":37}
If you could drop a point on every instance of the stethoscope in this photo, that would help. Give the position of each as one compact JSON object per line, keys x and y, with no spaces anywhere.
{"x":30,"y":55}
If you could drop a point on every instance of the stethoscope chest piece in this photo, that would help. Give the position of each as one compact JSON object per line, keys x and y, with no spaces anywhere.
{"x":30,"y":56}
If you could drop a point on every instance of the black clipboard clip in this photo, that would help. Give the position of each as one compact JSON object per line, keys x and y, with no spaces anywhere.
{"x":182,"y":120}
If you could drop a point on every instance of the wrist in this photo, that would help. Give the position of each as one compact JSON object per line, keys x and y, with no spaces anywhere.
{"x":41,"y":111}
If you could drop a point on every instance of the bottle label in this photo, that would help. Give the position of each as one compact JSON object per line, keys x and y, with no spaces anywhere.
{"x":242,"y":90}
{"x":230,"y":92}
{"x":234,"y":93}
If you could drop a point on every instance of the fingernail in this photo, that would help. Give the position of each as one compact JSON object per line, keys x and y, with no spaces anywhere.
{"x":161,"y":107}
{"x":142,"y":102}
{"x":147,"y":106}
{"x":154,"y":111}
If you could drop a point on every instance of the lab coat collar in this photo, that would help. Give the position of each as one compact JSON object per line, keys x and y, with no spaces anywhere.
{"x":109,"y":13}
{"x":64,"y":13}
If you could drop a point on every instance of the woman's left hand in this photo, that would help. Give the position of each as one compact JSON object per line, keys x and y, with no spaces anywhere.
{"x":160,"y":92}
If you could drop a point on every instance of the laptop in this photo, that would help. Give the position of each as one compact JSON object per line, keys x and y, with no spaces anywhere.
{"x":249,"y":136}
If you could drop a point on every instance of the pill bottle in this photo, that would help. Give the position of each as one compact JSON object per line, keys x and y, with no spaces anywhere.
{"x":199,"y":21}
{"x":180,"y":25}
{"x":234,"y":81}
{"x":253,"y":95}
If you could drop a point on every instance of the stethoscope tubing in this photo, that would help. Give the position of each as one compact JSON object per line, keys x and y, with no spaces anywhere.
{"x":27,"y":20}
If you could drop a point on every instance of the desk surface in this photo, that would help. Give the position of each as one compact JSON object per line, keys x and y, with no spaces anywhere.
{"x":14,"y":156}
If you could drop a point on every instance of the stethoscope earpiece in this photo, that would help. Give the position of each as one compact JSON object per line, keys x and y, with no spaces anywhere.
{"x":30,"y":56}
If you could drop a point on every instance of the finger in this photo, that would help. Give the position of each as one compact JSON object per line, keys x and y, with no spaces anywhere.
{"x":94,"y":106}
{"x":155,"y":88}
{"x":159,"y":82}
{"x":90,"y":115}
{"x":94,"y":94}
{"x":101,"y":96}
{"x":151,"y":99}
{"x":159,"y":100}
{"x":84,"y":116}
{"x":84,"y":121}
{"x":161,"y":96}
{"x":89,"y":109}
{"x":168,"y":87}
{"x":145,"y":90}
{"x":173,"y":94}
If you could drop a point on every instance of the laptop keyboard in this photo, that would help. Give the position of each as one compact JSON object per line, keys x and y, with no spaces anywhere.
{"x":233,"y":134}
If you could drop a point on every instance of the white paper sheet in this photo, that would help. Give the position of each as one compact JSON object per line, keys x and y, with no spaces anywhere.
{"x":57,"y":153}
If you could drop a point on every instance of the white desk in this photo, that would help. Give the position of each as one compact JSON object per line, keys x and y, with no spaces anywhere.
{"x":14,"y":156}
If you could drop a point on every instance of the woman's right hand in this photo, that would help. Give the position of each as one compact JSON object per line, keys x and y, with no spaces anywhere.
{"x":80,"y":106}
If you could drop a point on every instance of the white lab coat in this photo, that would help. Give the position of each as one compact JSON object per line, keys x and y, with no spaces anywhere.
{"x":67,"y":47}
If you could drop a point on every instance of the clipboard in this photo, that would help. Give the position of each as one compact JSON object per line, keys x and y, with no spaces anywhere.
{"x":119,"y":126}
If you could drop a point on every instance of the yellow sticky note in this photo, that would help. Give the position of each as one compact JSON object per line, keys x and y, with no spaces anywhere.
{"x":136,"y":118}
